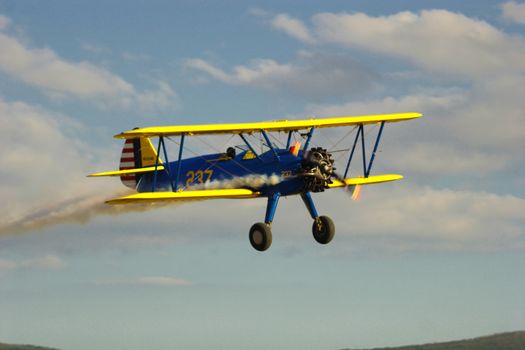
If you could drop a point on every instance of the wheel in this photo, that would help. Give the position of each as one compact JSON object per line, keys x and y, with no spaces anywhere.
{"x":323,"y":229}
{"x":261,"y":236}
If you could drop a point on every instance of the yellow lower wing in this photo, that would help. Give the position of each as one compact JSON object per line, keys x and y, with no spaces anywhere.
{"x":148,"y":197}
{"x":366,"y":180}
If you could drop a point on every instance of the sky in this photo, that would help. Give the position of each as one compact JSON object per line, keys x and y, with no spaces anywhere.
{"x":437,"y":256}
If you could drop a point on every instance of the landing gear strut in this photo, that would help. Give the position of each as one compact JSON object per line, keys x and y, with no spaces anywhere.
{"x":261,"y":233}
{"x":323,"y":227}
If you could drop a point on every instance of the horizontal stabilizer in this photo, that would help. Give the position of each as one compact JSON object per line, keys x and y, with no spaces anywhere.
{"x":148,"y":197}
{"x":127,"y":171}
{"x":365,"y":180}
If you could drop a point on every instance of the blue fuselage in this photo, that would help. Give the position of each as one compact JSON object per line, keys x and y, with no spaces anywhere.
{"x":265,"y":174}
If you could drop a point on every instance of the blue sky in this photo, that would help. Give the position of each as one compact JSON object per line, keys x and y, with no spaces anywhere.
{"x":437,"y":256}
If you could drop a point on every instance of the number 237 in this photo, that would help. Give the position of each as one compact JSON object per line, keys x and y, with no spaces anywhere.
{"x":197,"y":177}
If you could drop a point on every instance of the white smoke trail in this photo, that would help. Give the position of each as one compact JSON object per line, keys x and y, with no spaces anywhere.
{"x":250,"y":181}
{"x":79,"y":209}
{"x":82,"y":209}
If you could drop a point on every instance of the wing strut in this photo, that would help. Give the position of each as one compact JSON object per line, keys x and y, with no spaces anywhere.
{"x":250,"y":146}
{"x":173,"y":187}
{"x":154,"y":184}
{"x":375,"y":149}
{"x":310,"y":134}
{"x":270,"y":145}
{"x":361,"y":134}
{"x":162,"y":144}
{"x":289,"y":141}
{"x":181,"y":147}
{"x":352,"y":151}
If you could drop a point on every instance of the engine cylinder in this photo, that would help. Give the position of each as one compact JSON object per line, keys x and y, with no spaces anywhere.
{"x":317,"y":169}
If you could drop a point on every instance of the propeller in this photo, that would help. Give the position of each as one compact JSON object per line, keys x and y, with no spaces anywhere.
{"x":317,"y":169}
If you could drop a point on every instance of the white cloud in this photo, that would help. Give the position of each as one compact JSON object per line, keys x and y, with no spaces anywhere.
{"x":401,"y":217}
{"x":259,"y":72}
{"x":95,"y":49}
{"x":439,"y":41}
{"x":292,"y":26}
{"x":43,"y":174}
{"x":312,"y":74}
{"x":47,"y":262}
{"x":4,"y":22}
{"x":514,"y":11}
{"x":481,"y":130}
{"x":46,"y":141}
{"x":44,"y":69}
{"x":6,"y":265}
{"x":44,"y":167}
{"x":257,"y":12}
{"x":418,"y":102}
{"x":162,"y":98}
{"x":154,"y":281}
{"x":136,"y":57}
{"x":446,"y":159}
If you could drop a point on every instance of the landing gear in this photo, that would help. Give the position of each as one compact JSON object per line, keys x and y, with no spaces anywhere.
{"x":323,"y":229}
{"x":261,"y":233}
{"x":261,"y":236}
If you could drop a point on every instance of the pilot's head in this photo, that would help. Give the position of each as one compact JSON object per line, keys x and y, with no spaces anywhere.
{"x":230,"y":152}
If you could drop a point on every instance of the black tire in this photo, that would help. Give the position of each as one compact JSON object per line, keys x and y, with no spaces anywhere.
{"x":323,"y":229}
{"x":261,"y":236}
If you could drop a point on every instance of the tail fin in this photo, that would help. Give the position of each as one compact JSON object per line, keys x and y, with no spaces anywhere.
{"x":137,"y":153}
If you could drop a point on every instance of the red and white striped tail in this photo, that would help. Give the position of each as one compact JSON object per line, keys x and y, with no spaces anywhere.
{"x":127,"y":161}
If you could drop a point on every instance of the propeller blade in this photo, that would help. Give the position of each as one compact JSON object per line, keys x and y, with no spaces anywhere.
{"x":353,"y":191}
{"x":341,"y":178}
{"x":356,"y":195}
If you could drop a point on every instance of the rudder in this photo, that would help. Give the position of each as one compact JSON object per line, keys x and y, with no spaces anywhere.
{"x":136,"y":153}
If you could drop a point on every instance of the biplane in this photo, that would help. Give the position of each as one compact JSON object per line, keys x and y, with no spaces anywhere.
{"x":243,"y":172}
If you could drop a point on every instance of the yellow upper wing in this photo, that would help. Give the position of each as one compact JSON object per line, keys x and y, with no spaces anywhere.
{"x":148,"y":197}
{"x":280,"y":125}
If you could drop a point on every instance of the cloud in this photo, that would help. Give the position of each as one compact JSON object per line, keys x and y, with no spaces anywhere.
{"x":514,"y":12}
{"x":292,"y":26}
{"x":478,"y":131}
{"x":95,"y":49}
{"x":135,"y":57}
{"x":439,"y":41}
{"x":405,"y":217}
{"x":47,"y":262}
{"x":474,"y":127}
{"x":43,"y":69}
{"x":6,"y":265}
{"x":258,"y":12}
{"x":260,"y":72}
{"x":4,"y":22}
{"x":150,"y":281}
{"x":429,"y":102}
{"x":43,"y":174}
{"x":312,"y":74}
{"x":447,"y":159}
